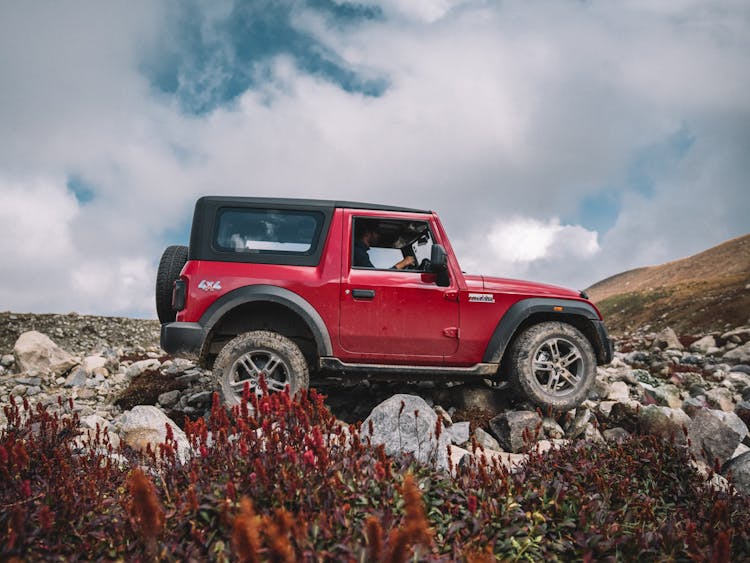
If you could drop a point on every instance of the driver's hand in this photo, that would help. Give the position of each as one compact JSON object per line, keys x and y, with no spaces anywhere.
{"x":406,"y":262}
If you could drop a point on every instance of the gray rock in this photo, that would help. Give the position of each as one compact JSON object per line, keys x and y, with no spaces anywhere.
{"x":619,"y":391}
{"x":552,"y":429}
{"x":739,"y":355}
{"x":201,"y":399}
{"x":664,"y":422}
{"x":692,"y":405}
{"x":141,"y":366}
{"x":188,"y":378}
{"x":743,"y":368}
{"x":737,"y":380}
{"x":737,"y":470}
{"x":459,"y":433}
{"x":733,"y":421}
{"x":665,"y":395}
{"x":76,"y":379}
{"x":516,"y":431}
{"x":616,"y":435}
{"x":486,"y":440}
{"x":636,"y":357}
{"x":169,"y":398}
{"x":720,"y":398}
{"x":711,"y":439}
{"x":667,"y":339}
{"x":145,"y":425}
{"x":625,"y":414}
{"x":577,"y":425}
{"x":742,"y":410}
{"x":738,"y":335}
{"x":7,"y":360}
{"x":18,"y":390}
{"x":397,"y":426}
{"x":35,"y":351}
{"x":703,"y":345}
{"x":33,"y":390}
{"x":28,"y":380}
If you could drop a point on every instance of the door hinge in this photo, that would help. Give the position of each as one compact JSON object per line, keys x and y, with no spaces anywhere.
{"x":451,"y":332}
{"x":451,"y":295}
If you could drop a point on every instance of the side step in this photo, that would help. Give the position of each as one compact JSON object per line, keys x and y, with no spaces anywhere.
{"x":422,"y":372}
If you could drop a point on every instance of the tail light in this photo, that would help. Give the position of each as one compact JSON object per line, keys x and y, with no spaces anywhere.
{"x":179,"y":293}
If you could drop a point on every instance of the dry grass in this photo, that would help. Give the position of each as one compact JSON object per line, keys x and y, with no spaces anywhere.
{"x":701,"y":293}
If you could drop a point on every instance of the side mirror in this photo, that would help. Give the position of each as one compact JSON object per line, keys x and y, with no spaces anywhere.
{"x":438,"y":258}
{"x":439,"y":265}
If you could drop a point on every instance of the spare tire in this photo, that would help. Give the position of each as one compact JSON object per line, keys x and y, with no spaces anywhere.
{"x":170,"y":266}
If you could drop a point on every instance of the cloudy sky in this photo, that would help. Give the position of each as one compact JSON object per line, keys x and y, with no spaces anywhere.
{"x":561,"y":141}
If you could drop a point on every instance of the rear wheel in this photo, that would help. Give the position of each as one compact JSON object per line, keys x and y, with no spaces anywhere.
{"x":260,"y":353}
{"x":170,"y":266}
{"x":553,"y":365}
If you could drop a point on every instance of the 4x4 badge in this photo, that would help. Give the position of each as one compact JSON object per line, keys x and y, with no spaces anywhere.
{"x":209,"y":285}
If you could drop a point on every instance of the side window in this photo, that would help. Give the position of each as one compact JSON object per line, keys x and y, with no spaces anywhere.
{"x":266,"y":231}
{"x":384,"y":244}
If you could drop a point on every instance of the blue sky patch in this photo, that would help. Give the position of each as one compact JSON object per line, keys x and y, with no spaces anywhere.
{"x":209,"y":62}
{"x":83,"y":191}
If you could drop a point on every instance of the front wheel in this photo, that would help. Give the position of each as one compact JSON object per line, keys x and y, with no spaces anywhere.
{"x":256,"y":354}
{"x":553,"y":365}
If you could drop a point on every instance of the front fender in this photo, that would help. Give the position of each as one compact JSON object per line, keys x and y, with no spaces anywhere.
{"x":550,"y":307}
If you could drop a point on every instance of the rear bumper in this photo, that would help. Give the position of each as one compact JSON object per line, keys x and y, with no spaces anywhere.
{"x":182,"y":339}
{"x":607,"y":346}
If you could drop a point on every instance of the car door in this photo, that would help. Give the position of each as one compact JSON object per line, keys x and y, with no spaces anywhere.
{"x":390,"y":315}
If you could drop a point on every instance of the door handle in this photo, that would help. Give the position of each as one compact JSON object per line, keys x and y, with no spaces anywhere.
{"x":363,"y":293}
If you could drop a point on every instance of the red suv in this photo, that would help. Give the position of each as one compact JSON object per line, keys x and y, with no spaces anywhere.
{"x":293,"y":289}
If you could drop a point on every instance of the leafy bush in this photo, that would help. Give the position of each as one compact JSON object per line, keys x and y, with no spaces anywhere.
{"x":285,"y":481}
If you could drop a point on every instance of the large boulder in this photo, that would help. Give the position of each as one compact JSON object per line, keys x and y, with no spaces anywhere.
{"x":36,"y":352}
{"x":737,"y":470}
{"x":407,"y":424}
{"x":516,"y":431}
{"x":146,"y":425}
{"x":711,"y":439}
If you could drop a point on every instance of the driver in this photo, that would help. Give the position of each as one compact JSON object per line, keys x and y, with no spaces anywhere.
{"x":367,"y":235}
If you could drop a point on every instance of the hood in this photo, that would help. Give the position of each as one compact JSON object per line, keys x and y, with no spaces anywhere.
{"x":504,"y":285}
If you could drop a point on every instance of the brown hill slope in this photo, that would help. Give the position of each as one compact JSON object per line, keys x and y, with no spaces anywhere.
{"x":705,"y":292}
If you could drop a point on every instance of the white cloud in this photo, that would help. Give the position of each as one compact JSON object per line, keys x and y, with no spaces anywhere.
{"x":518,"y":246}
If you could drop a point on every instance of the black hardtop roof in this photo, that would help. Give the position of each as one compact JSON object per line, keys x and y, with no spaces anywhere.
{"x":291,"y":202}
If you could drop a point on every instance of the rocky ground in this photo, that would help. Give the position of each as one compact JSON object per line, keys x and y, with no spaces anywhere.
{"x":111,"y":372}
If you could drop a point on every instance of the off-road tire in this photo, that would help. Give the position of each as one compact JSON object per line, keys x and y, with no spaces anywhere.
{"x":251,"y":352}
{"x":170,"y":266}
{"x":553,"y":365}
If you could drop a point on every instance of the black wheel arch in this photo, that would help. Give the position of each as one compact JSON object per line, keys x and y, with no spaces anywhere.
{"x":276,"y":307}
{"x":527,"y":312}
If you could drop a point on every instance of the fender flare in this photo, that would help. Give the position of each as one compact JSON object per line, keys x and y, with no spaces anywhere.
{"x":522,"y":310}
{"x":272,"y":294}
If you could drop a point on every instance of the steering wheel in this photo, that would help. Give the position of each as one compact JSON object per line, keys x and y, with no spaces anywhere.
{"x":424,"y":265}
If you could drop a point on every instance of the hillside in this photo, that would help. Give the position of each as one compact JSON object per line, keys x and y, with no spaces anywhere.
{"x":705,"y":292}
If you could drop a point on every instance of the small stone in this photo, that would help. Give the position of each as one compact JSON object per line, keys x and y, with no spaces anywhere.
{"x":188,"y":379}
{"x":29,"y":380}
{"x":18,"y":391}
{"x":720,"y":398}
{"x":201,"y":399}
{"x":738,"y":470}
{"x":33,"y":390}
{"x":743,"y":368}
{"x":619,"y":391}
{"x":7,"y":360}
{"x":138,"y":368}
{"x":169,"y":398}
{"x":552,"y":429}
{"x":703,"y":345}
{"x":76,"y":379}
{"x":486,"y":440}
{"x":577,"y":425}
{"x":616,"y":435}
{"x":516,"y":431}
{"x":667,"y":339}
{"x":459,"y":433}
{"x":737,"y":380}
{"x":692,"y":405}
{"x":738,"y":355}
